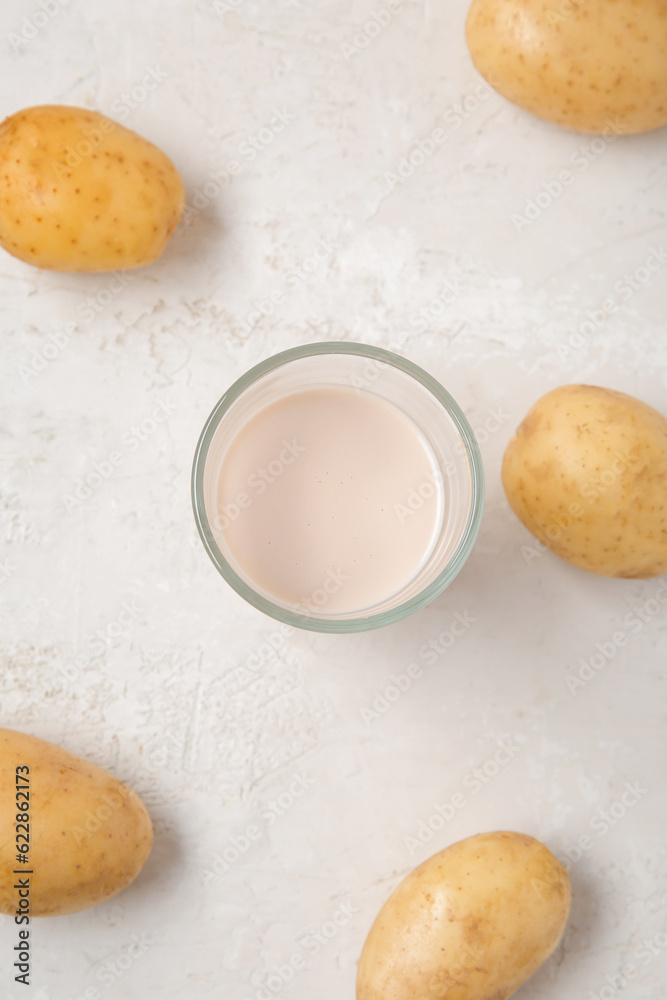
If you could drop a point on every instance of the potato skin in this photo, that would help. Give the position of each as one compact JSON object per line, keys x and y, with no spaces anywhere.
{"x":90,"y":835}
{"x":586,"y":473}
{"x":473,"y":922}
{"x":596,"y":66}
{"x":83,"y":193}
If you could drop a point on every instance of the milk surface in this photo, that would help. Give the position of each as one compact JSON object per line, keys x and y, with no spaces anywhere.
{"x":327,"y":500}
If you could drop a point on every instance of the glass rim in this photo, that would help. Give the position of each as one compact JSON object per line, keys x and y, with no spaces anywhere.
{"x":361,"y":623}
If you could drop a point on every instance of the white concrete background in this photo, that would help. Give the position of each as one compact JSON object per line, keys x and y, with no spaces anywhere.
{"x":168,"y":705}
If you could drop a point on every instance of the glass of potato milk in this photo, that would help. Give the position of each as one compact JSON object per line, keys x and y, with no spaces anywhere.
{"x":337,"y":487}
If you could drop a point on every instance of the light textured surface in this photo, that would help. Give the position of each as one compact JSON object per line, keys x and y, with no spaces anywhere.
{"x":168,"y":702}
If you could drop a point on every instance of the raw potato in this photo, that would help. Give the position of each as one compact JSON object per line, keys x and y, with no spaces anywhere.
{"x":90,"y":835}
{"x":473,"y":922}
{"x":597,"y":66}
{"x":586,"y":472}
{"x":82,"y":193}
